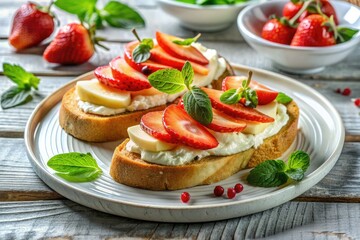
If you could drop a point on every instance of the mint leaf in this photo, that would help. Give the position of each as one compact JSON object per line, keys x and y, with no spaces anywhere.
{"x":299,"y":160}
{"x":231,"y":96}
{"x":168,"y":80}
{"x":188,"y":74}
{"x":283,"y":98}
{"x":15,"y":96}
{"x":120,"y":15}
{"x":197,"y":104}
{"x":295,"y":174}
{"x":141,"y":53}
{"x":80,"y":8}
{"x":268,"y":174}
{"x":187,"y":41}
{"x":75,"y":167}
{"x":20,"y":77}
{"x":251,"y":99}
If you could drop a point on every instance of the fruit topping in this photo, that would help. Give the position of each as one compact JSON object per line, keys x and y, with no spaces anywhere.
{"x":238,"y":188}
{"x":189,"y":53}
{"x":225,"y":123}
{"x":152,"y":124}
{"x":160,"y":56}
{"x":186,"y":130}
{"x":218,"y":191}
{"x":185,"y":197}
{"x":97,"y":93}
{"x":237,"y":110}
{"x":231,"y":193}
{"x":128,"y":79}
{"x":265,"y":95}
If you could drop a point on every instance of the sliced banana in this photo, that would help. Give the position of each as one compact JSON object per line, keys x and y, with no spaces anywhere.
{"x":94,"y":92}
{"x":256,"y":127}
{"x":146,"y":141}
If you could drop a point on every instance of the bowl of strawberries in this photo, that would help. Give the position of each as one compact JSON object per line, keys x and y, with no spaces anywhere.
{"x":301,"y":36}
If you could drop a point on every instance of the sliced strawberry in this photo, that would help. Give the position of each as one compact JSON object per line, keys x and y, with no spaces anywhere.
{"x":186,"y":130}
{"x":160,"y":56}
{"x":147,"y":67}
{"x":225,"y":123}
{"x":153,"y":125}
{"x":237,"y":110}
{"x":265,"y":94}
{"x":183,"y":52}
{"x":104,"y":75}
{"x":130,"y":79}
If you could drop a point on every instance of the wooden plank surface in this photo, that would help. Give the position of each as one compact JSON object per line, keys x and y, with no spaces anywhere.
{"x":19,"y":182}
{"x":68,"y":220}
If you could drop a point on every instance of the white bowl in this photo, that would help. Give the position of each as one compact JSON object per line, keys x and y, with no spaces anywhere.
{"x":203,"y":18}
{"x":297,"y":59}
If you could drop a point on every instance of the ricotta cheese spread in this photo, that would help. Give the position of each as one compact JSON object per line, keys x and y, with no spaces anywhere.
{"x":216,"y":68}
{"x":229,"y":143}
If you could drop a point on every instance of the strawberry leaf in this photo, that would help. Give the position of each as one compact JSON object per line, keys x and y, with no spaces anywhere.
{"x":345,"y":34}
{"x":197,"y":104}
{"x":120,"y":15}
{"x":15,"y":96}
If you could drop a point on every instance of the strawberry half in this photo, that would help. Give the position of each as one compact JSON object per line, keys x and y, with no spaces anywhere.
{"x":72,"y":45}
{"x":186,"y":130}
{"x":152,"y":124}
{"x":238,"y":110}
{"x":160,"y":56}
{"x":146,"y":67}
{"x":130,"y":79}
{"x":30,"y":26}
{"x":183,"y":52}
{"x":224,"y":123}
{"x":265,"y":95}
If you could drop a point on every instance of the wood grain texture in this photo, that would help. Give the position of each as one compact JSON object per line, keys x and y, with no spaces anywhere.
{"x":18,"y":181}
{"x":66,"y":219}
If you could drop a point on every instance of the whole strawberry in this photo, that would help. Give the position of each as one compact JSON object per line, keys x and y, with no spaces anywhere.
{"x":314,"y":31}
{"x":72,"y":45}
{"x":31,"y":25}
{"x":275,"y":30}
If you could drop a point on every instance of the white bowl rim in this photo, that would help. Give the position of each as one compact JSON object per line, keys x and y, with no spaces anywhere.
{"x":334,"y":48}
{"x":194,"y":6}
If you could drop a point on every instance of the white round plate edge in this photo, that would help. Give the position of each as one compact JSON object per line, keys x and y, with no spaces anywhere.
{"x":186,"y":213}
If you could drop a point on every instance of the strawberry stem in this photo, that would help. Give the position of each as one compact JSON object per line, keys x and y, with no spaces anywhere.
{"x":249,"y":79}
{"x":136,"y":35}
{"x":300,"y":12}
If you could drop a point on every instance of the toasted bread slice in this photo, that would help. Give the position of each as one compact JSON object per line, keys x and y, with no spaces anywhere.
{"x":95,"y":128}
{"x":127,"y":168}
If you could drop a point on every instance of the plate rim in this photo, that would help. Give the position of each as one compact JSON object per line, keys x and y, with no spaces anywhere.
{"x":314,"y":177}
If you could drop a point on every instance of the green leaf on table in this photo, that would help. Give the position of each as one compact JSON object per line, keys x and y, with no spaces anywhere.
{"x":230,"y":96}
{"x":120,"y":15}
{"x":187,"y":41}
{"x":299,"y":160}
{"x":197,"y":104}
{"x":15,"y":96}
{"x":81,"y":7}
{"x":188,"y":74}
{"x":283,"y":98}
{"x":295,"y":174}
{"x":268,"y":174}
{"x":75,"y":167}
{"x":22,"y":78}
{"x":168,"y":80}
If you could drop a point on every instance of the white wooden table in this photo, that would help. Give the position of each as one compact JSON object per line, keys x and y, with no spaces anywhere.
{"x":31,"y":210}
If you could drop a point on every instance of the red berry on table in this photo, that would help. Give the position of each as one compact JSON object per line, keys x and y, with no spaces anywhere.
{"x":231,"y":193}
{"x":218,"y":191}
{"x":346,"y":92}
{"x":338,"y":90}
{"x":357,"y":102}
{"x":72,"y":45}
{"x":185,"y":197}
{"x":238,"y":188}
{"x":31,"y":25}
{"x":313,"y":32}
{"x":276,"y":31}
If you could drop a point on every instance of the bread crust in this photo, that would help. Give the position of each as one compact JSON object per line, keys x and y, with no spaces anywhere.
{"x":127,"y":168}
{"x":95,"y":128}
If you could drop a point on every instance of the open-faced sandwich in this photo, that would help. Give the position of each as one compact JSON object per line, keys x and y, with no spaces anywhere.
{"x":208,"y":136}
{"x":102,"y":109}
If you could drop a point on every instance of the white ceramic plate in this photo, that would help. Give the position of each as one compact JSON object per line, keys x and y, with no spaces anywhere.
{"x":321,"y":134}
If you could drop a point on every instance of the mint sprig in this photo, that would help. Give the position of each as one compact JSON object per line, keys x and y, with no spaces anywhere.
{"x":75,"y":167}
{"x":196,"y":102}
{"x":142,"y":52}
{"x":283,"y":98}
{"x":233,"y":96}
{"x":21,"y":93}
{"x":187,"y":41}
{"x":273,"y":173}
{"x":114,"y":13}
{"x":212,"y":2}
